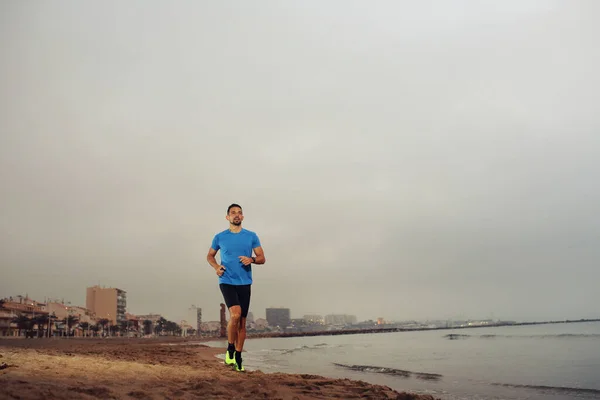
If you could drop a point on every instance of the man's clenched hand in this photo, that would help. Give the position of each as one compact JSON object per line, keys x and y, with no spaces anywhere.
{"x":246,"y":260}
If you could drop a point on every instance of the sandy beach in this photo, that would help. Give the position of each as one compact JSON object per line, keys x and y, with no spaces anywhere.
{"x":154,"y":369}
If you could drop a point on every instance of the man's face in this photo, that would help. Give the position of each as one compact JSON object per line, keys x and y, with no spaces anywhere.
{"x":235,"y":216}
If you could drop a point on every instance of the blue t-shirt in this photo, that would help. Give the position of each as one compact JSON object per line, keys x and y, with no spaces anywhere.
{"x":232,"y":245}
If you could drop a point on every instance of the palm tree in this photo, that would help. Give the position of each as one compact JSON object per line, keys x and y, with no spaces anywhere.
{"x":95,"y":328}
{"x":71,"y":320}
{"x":168,"y":329}
{"x":23,"y":322}
{"x":104,"y":324}
{"x":85,"y":326}
{"x":147,"y":327}
{"x":173,"y":328}
{"x":124,"y":328}
{"x":160,"y":325}
{"x":114,"y":329}
{"x":135,"y":326}
{"x":51,"y":318}
{"x":40,"y":321}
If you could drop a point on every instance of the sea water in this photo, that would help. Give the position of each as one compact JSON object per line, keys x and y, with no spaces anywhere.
{"x":547,"y":361}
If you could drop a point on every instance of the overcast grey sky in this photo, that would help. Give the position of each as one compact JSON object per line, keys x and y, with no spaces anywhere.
{"x":430,"y":159}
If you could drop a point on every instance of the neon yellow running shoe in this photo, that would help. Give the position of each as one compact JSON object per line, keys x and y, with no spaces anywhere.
{"x":228,"y":360}
{"x":239,"y":367}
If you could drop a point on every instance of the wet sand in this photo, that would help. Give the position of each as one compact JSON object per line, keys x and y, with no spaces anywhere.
{"x":153,"y":369}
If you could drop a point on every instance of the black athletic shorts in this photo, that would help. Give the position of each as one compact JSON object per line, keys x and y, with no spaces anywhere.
{"x":237,"y":295}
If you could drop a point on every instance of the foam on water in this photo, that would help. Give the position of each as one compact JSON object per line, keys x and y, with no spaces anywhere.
{"x":454,"y":336}
{"x":391,"y":371}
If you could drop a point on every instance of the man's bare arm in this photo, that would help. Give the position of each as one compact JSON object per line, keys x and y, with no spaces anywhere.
{"x":210,"y":257}
{"x":260,"y":255}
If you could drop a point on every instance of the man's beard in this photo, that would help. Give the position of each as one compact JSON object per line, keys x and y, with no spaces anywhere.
{"x":237,"y":222}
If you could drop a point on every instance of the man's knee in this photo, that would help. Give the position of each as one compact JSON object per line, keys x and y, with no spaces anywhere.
{"x":235,"y":312}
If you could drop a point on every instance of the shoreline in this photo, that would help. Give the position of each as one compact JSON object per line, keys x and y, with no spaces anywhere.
{"x":388,"y":330}
{"x":126,"y":368}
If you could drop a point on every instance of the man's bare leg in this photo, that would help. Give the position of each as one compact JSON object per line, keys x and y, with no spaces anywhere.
{"x":235,"y":314}
{"x":241,"y":334}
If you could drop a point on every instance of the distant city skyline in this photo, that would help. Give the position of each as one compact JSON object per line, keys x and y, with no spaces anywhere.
{"x":185,"y":315}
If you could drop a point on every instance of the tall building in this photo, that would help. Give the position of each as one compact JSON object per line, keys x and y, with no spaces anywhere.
{"x":109,"y":303}
{"x":313,"y":319}
{"x":198,"y":319}
{"x":278,"y":317}
{"x":195,"y":317}
{"x":340,"y":319}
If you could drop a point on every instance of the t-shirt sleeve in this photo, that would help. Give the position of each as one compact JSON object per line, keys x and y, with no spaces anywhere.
{"x":255,"y":241}
{"x":215,"y":243}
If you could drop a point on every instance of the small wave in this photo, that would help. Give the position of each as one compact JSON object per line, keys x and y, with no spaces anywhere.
{"x":553,"y":389}
{"x":454,"y":336}
{"x":594,"y":335}
{"x":287,"y":351}
{"x":302,"y":348}
{"x":542,"y":336}
{"x":391,"y":371}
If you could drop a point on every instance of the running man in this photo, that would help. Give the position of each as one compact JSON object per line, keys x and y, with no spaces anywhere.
{"x":235,"y":277}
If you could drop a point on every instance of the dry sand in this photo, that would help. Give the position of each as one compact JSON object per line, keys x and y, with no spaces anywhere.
{"x":152,"y":369}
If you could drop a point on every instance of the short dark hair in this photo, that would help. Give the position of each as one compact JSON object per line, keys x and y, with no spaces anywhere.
{"x":233,"y":205}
